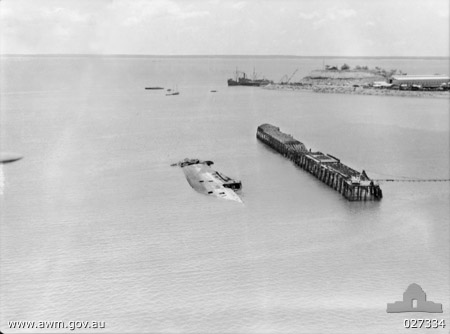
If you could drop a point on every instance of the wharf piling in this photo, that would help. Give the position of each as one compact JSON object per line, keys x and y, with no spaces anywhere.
{"x":353,"y":185}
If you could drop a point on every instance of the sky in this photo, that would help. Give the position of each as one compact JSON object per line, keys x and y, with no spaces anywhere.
{"x":226,"y":27}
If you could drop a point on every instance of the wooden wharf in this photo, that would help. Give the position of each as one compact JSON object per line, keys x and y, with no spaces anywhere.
{"x":353,"y":185}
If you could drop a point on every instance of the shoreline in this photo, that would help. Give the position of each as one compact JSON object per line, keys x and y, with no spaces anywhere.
{"x":359,"y":81}
{"x":341,"y":89}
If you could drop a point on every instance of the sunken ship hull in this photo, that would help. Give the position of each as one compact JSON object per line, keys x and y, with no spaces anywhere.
{"x":202,"y":178}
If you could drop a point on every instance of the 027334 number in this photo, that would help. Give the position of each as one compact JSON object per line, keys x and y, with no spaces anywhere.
{"x":424,"y":323}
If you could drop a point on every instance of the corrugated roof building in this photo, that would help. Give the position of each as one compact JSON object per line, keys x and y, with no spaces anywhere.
{"x":422,"y":80}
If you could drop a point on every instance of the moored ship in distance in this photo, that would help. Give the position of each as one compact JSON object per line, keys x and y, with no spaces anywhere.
{"x":205,"y":180}
{"x":241,"y":79}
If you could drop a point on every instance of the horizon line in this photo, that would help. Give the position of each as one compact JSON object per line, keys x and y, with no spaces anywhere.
{"x":204,"y":55}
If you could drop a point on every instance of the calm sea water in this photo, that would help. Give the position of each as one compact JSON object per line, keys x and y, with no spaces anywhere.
{"x":96,"y":226}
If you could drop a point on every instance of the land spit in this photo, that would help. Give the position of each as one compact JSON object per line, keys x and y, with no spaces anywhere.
{"x":335,"y":89}
{"x":350,"y":82}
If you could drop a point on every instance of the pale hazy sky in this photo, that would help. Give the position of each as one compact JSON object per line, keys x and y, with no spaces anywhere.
{"x":226,"y":27}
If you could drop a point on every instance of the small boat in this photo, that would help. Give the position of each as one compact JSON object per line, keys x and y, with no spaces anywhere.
{"x":6,"y":157}
{"x":173,"y":92}
{"x":154,"y":87}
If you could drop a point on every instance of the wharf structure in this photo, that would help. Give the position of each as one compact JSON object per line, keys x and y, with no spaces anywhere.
{"x":353,"y":185}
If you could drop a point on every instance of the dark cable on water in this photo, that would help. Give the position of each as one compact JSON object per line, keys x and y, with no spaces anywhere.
{"x":412,"y":180}
{"x":401,"y":178}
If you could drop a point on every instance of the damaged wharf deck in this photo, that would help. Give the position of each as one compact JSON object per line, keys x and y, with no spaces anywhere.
{"x":353,"y":185}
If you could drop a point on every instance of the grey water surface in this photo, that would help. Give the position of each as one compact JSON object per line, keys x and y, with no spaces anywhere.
{"x":96,"y":226}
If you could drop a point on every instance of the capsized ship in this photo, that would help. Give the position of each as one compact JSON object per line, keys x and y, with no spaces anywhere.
{"x":241,"y":79}
{"x":207,"y":181}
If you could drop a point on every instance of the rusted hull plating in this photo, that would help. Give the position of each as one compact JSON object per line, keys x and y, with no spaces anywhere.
{"x":353,"y":185}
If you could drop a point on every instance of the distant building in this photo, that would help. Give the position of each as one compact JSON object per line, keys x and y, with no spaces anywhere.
{"x":331,"y":68}
{"x":420,"y":80}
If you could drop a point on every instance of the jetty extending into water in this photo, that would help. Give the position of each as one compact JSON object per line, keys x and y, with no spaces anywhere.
{"x":353,"y":185}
